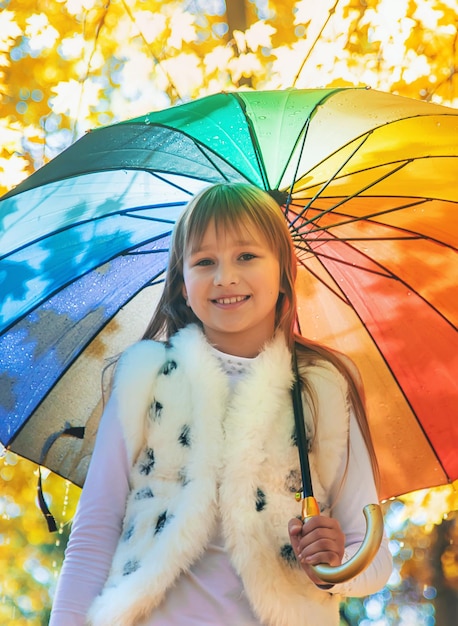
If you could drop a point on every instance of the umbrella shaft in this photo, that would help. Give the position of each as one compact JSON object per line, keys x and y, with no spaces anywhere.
{"x":307,"y":490}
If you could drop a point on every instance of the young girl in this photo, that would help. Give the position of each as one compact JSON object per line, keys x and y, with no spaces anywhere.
{"x":188,"y":516}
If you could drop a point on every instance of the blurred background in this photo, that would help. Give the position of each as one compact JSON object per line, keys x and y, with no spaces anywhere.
{"x":67,"y":66}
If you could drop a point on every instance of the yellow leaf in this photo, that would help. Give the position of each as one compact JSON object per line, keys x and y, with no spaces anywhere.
{"x":72,"y":47}
{"x":10,"y":135}
{"x":185,"y":73}
{"x":259,"y":35}
{"x":9,"y":30}
{"x":12,"y":171}
{"x":41,"y":34}
{"x":75,"y":7}
{"x":182,"y":27}
{"x":152,"y":25}
{"x":74,"y":98}
{"x":218,"y":58}
{"x":244,"y":65}
{"x":240,"y":40}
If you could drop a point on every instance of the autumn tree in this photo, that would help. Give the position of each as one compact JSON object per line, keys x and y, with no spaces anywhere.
{"x":30,"y":556}
{"x":68,"y":66}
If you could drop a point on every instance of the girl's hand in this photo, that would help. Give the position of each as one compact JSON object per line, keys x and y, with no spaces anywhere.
{"x":318,"y":540}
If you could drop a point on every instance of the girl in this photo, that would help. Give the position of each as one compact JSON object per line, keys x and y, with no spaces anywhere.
{"x":188,"y":515}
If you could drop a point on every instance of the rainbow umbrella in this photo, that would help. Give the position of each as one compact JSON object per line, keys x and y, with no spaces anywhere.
{"x":368,"y":186}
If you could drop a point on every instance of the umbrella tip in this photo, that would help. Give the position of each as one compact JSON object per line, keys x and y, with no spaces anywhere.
{"x":281,"y":197}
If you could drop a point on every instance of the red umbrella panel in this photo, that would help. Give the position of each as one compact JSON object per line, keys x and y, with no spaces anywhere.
{"x":388,"y":296}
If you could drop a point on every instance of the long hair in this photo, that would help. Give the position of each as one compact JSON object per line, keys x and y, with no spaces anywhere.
{"x":234,"y":206}
{"x":230,"y":206}
{"x":310,"y":353}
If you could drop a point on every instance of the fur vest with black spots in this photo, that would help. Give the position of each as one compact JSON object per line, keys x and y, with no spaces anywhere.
{"x":198,"y":454}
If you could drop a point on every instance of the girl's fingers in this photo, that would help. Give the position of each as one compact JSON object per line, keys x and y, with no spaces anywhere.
{"x":295,"y":534}
{"x":318,"y":540}
{"x":295,"y":527}
{"x":324,"y":552}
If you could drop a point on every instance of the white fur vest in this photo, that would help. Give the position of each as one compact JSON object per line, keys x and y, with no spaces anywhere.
{"x":195,"y":456}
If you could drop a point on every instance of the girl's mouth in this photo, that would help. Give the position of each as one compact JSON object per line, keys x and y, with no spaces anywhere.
{"x":230,"y":300}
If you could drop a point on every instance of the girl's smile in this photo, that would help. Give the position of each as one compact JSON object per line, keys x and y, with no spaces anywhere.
{"x":230,"y":300}
{"x":232,"y":284}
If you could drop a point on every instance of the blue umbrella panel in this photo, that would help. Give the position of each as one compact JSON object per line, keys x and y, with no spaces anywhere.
{"x":64,"y":296}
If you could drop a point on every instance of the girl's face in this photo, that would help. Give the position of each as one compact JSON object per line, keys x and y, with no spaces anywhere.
{"x":232,"y":284}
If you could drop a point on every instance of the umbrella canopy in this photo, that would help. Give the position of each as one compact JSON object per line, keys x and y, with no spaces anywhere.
{"x":372,"y":206}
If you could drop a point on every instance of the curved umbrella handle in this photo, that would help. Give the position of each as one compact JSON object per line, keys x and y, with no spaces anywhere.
{"x":366,"y":552}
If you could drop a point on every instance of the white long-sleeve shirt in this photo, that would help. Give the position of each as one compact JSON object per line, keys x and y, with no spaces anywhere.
{"x":211,"y":593}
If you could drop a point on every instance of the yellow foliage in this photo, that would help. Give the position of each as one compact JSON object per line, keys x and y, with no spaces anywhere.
{"x":30,"y":556}
{"x":79,"y":64}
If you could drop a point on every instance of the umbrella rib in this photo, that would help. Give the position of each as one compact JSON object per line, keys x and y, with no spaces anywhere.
{"x":156,"y":280}
{"x":347,"y":198}
{"x":384,"y":272}
{"x":80,"y":348}
{"x":410,"y":234}
{"x":365,"y":137}
{"x":159,"y":220}
{"x":338,"y":294}
{"x":201,"y":147}
{"x":125,"y":212}
{"x":61,"y":287}
{"x":326,"y":184}
{"x":206,"y":151}
{"x":304,"y":132}
{"x":140,"y":252}
{"x":169,"y":182}
{"x":369,"y":216}
{"x":395,"y":379}
{"x":254,"y":141}
{"x":347,"y":301}
{"x":331,"y":238}
{"x":301,"y":151}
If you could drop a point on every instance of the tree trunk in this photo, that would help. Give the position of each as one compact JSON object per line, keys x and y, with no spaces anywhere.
{"x":236,"y":20}
{"x":446,"y":601}
{"x":236,"y":15}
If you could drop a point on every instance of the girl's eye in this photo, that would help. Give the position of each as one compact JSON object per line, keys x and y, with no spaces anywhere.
{"x":247,"y":256}
{"x":203,"y":262}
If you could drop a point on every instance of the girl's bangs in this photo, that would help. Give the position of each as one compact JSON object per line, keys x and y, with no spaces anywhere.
{"x":231,"y":214}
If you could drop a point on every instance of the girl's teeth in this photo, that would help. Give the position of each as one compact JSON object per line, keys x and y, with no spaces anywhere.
{"x":231,"y":300}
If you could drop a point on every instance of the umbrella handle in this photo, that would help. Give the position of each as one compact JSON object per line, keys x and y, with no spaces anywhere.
{"x":366,"y":552}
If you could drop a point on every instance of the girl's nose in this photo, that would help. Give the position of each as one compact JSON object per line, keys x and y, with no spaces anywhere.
{"x":225,"y":275}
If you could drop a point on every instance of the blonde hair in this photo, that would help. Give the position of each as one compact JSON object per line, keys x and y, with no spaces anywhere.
{"x":235,"y":206}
